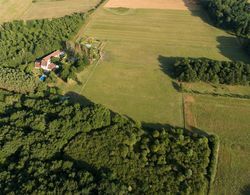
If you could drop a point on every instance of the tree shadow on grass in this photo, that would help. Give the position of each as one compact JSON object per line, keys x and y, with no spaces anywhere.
{"x":226,"y":44}
{"x":77,"y":98}
{"x":198,"y":131}
{"x":157,"y":126}
{"x":231,"y":49}
{"x":167,"y":64}
{"x":154,"y":126}
{"x":198,"y":10}
{"x":245,"y":190}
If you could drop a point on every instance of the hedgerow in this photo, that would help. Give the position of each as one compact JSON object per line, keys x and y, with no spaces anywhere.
{"x":207,"y":70}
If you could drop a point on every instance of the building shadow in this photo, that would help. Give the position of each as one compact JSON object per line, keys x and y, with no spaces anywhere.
{"x":77,"y":98}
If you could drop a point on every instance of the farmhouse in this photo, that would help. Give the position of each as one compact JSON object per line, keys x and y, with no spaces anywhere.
{"x":46,"y":63}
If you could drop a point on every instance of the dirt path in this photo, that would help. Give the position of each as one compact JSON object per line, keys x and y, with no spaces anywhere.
{"x":190,"y":120}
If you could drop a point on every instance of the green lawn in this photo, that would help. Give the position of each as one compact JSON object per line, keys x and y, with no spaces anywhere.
{"x":229,"y":119}
{"x":130,"y":79}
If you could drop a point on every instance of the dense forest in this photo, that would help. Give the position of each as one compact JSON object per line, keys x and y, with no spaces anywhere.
{"x":233,"y":15}
{"x":207,"y":70}
{"x":22,"y":42}
{"x":49,"y":145}
{"x":14,"y":79}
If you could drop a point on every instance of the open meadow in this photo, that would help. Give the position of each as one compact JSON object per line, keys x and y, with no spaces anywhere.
{"x":26,"y":9}
{"x":229,"y":119}
{"x":132,"y":77}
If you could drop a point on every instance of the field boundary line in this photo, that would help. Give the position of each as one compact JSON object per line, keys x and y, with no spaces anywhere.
{"x":87,"y":21}
{"x":183,"y":111}
{"x":92,"y":71}
{"x":232,"y":96}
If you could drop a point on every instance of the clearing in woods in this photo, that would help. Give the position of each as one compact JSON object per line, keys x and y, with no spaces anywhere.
{"x":26,"y":9}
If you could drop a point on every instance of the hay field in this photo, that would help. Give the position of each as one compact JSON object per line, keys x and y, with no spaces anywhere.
{"x":229,"y":119}
{"x":52,"y":9}
{"x":13,"y":9}
{"x":26,"y":9}
{"x":155,"y":4}
{"x":130,"y":79}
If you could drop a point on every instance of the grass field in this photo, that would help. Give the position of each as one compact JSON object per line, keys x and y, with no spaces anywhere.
{"x":130,"y":79}
{"x":222,"y":90}
{"x":229,"y":119}
{"x":26,"y":9}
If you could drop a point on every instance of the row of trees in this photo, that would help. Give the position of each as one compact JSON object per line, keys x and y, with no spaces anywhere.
{"x":233,"y":15}
{"x":79,"y":54}
{"x":207,"y":70}
{"x":14,"y":79}
{"x":22,"y":42}
{"x":49,"y":145}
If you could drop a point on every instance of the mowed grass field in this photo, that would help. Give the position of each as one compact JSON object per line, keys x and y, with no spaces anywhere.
{"x":130,"y":79}
{"x":229,"y":119}
{"x":26,"y":9}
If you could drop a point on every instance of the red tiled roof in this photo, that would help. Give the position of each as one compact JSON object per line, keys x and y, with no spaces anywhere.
{"x":51,"y":66}
{"x":37,"y":64}
{"x":53,"y":54}
{"x":43,"y":63}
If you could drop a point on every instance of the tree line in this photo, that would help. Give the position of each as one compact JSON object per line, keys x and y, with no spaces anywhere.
{"x":49,"y":145}
{"x":207,"y":70}
{"x":233,"y":15}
